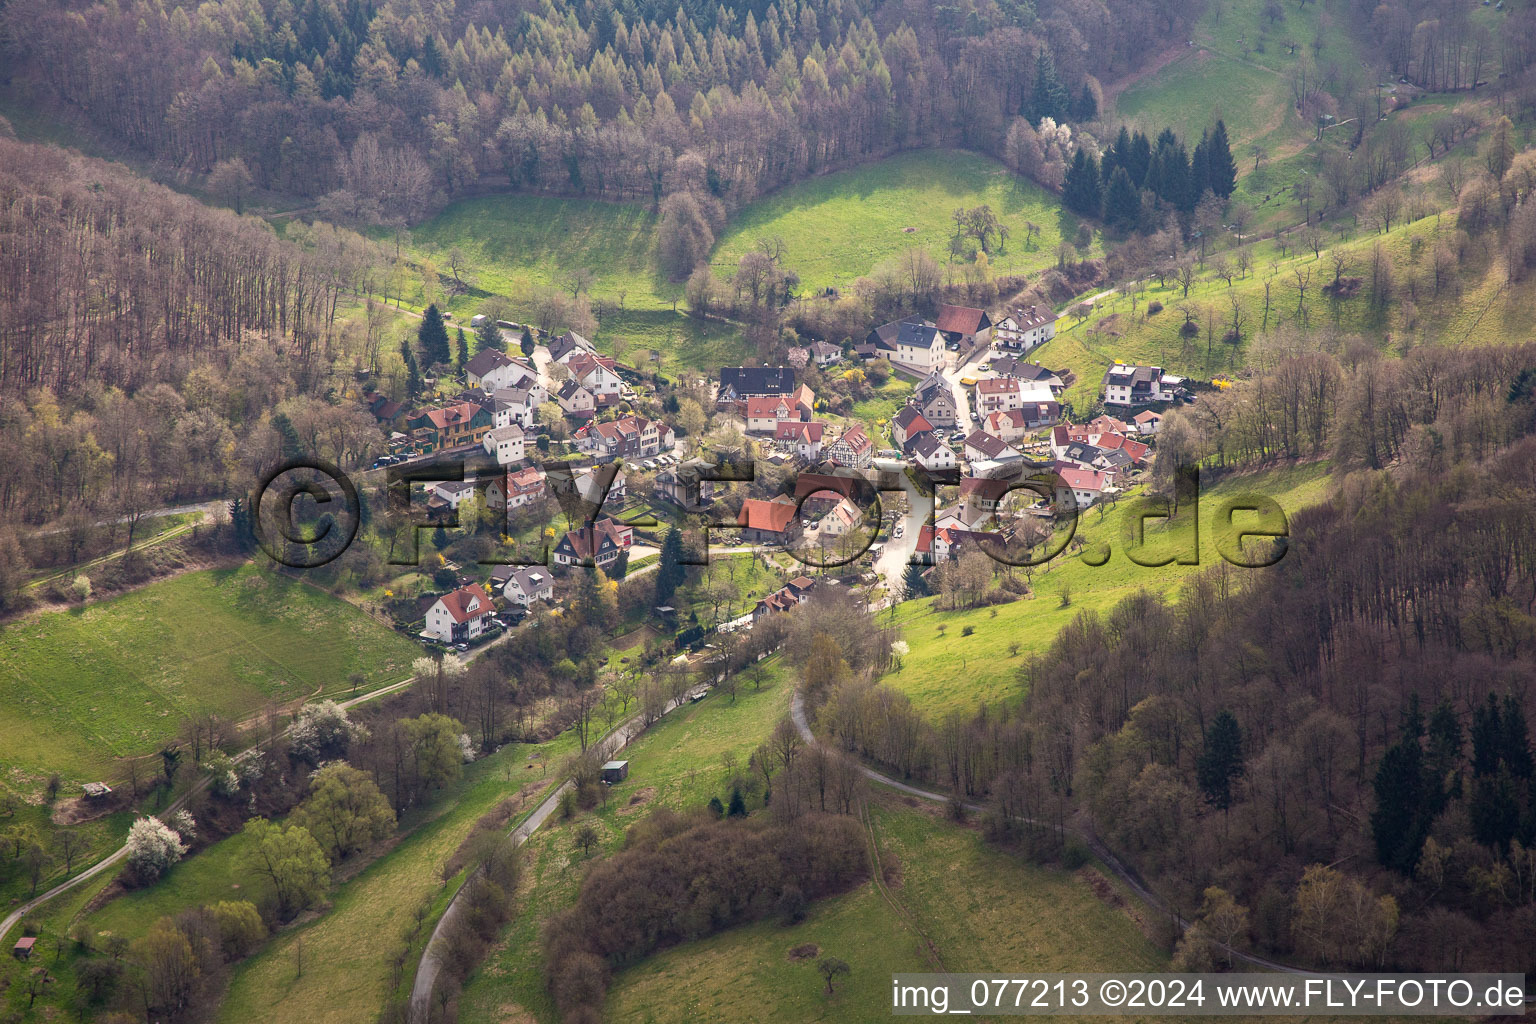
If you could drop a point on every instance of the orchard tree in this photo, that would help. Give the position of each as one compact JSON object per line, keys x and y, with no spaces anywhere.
{"x":153,"y":846}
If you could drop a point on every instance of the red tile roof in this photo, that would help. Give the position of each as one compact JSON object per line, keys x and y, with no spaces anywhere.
{"x":959,"y":319}
{"x":468,"y":602}
{"x":768,"y":516}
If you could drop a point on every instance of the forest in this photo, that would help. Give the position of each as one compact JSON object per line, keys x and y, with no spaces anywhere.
{"x":377,"y":110}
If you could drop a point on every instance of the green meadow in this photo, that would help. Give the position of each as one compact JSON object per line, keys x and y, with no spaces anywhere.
{"x":112,"y":679}
{"x":838,"y":227}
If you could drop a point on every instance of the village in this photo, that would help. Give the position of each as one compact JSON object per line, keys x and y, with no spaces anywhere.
{"x":981,"y":454}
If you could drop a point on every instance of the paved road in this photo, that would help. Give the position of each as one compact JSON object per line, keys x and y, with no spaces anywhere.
{"x":431,"y":964}
{"x":797,"y":714}
{"x":891,"y":565}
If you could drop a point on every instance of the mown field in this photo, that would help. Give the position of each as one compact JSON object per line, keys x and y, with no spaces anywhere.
{"x":948,"y":671}
{"x":838,"y":227}
{"x":90,"y":685}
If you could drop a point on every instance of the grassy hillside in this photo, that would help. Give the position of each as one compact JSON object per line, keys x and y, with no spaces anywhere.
{"x":515,"y":241}
{"x":86,"y":686}
{"x":838,"y":227}
{"x":982,"y":909}
{"x":947,"y":671}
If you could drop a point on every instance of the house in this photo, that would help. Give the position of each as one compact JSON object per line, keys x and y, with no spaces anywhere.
{"x":568,"y":345}
{"x":841,"y":519}
{"x":1079,"y":488}
{"x":515,"y":406}
{"x":575,"y":400}
{"x":1029,"y":373}
{"x":505,"y":444}
{"x":995,"y":393}
{"x":460,"y":615}
{"x":1135,"y":451}
{"x":23,"y":948}
{"x":385,"y":410}
{"x":804,"y":438}
{"x":854,"y":449}
{"x":1025,"y":328}
{"x":452,"y":425}
{"x":982,"y":497}
{"x":598,"y":375}
{"x":764,"y":413}
{"x":588,"y":484}
{"x":907,"y":423}
{"x":626,"y":437}
{"x":683,"y":486}
{"x":804,"y":401}
{"x":765,"y":521}
{"x":981,"y":446}
{"x":912,"y":343}
{"x":615,"y":771}
{"x":1007,"y":424}
{"x":936,"y":401}
{"x":96,"y":790}
{"x":1127,"y":385}
{"x":453,"y":492}
{"x":792,"y":595}
{"x":964,"y":325}
{"x":738,"y":383}
{"x":1147,"y":422}
{"x":491,"y":370}
{"x":926,"y":451}
{"x":528,"y":584}
{"x":817,"y":492}
{"x":598,"y":543}
{"x":825,"y":353}
{"x":515,"y":489}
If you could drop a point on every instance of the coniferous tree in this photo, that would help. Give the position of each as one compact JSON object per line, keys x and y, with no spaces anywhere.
{"x":527,"y":343}
{"x":1221,"y":762}
{"x":1086,"y":108}
{"x":1049,"y":97}
{"x":1399,"y":824}
{"x":412,"y":372}
{"x":1487,"y":738}
{"x":490,"y":335}
{"x":432,"y":337}
{"x":670,"y":572}
{"x":1116,"y":155}
{"x":1515,"y":743}
{"x":1200,"y":169}
{"x":1081,"y":190}
{"x":293,"y":448}
{"x":1122,"y":203}
{"x":914,"y":581}
{"x":463,"y":348}
{"x":1442,"y":756}
{"x":1220,"y":168}
{"x":1138,"y":160}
